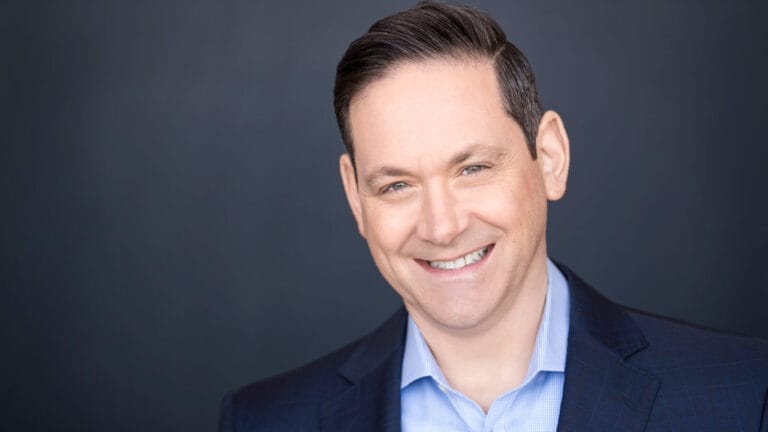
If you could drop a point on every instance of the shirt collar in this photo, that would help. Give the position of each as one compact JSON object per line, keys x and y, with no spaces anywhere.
{"x":549,"y":349}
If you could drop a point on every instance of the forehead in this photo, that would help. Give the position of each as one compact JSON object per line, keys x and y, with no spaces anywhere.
{"x":423,"y":109}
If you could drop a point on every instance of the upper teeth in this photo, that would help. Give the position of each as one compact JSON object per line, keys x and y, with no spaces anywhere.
{"x":464,"y":261}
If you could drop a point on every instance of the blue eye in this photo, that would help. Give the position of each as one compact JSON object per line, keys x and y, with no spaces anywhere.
{"x":394,"y":187}
{"x":473,"y":169}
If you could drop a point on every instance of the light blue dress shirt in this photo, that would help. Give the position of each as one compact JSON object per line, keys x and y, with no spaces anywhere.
{"x":428,"y":403}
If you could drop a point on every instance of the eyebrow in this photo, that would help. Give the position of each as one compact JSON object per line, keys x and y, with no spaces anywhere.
{"x":462,"y":156}
{"x":385,"y":171}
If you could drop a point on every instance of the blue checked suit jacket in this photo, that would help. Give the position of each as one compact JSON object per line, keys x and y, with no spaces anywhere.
{"x":625,"y":371}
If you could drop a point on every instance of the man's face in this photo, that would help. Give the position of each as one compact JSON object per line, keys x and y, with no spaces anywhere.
{"x":447,"y":195}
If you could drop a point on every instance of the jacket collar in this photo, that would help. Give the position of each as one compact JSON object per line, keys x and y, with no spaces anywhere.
{"x":602,"y":390}
{"x":372,"y":402}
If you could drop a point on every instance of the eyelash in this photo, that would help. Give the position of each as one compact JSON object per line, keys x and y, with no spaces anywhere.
{"x":388,"y":188}
{"x":481,"y":168}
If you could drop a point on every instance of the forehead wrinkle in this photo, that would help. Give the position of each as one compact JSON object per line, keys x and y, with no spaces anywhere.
{"x":379,"y":127}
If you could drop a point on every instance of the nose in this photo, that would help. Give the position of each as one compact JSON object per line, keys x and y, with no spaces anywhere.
{"x":441,"y":219}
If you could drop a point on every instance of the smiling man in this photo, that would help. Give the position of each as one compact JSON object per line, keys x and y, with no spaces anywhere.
{"x":449,"y":167}
{"x":453,"y":206}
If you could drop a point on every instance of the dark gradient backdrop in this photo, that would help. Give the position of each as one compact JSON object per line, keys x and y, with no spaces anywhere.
{"x":173,"y":224}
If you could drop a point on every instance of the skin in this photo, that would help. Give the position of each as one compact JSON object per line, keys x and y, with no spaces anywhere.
{"x":442,"y":171}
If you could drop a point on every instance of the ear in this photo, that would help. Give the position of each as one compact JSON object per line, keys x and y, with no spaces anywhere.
{"x":349,"y":178}
{"x":553,"y":154}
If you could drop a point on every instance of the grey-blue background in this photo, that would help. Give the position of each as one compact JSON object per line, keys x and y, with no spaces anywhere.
{"x":173,"y":224}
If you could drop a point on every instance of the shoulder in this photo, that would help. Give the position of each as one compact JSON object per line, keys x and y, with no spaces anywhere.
{"x":696,"y":378}
{"x":675,"y":345}
{"x":289,"y":399}
{"x":656,"y":343}
{"x":713,"y":379}
{"x":292,"y":400}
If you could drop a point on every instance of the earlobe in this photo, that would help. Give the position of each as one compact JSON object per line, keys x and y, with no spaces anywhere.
{"x":349,"y":180}
{"x":553,"y":154}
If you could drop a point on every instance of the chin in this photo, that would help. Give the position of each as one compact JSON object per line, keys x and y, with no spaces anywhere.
{"x":457,"y":317}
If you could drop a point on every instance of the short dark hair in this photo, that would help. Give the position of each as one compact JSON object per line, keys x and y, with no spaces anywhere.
{"x":429,"y":31}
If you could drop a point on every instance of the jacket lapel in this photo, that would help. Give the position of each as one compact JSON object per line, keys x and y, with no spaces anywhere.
{"x":602,"y":390}
{"x":372,"y":402}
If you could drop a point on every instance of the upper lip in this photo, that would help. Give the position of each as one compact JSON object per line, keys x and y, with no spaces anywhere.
{"x":458,"y":256}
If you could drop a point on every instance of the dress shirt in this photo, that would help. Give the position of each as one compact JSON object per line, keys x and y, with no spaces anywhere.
{"x":428,"y":403}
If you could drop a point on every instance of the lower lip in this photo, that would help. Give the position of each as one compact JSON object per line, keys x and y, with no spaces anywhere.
{"x":456,"y":272}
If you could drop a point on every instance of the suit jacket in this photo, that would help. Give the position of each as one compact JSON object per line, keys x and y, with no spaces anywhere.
{"x":625,"y":371}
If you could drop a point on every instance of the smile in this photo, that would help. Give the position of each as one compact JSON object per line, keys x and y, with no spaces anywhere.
{"x":466,"y":260}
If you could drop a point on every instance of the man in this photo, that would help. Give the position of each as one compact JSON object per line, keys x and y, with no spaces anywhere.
{"x":450,"y":163}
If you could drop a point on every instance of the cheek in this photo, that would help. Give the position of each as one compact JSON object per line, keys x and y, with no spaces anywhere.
{"x":516,"y":205}
{"x":387,"y":226}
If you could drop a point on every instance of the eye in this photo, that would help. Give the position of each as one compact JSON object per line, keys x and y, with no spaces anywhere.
{"x":394,"y":187}
{"x":472,"y":169}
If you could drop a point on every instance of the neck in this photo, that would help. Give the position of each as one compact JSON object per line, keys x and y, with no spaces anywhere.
{"x":488,"y":361}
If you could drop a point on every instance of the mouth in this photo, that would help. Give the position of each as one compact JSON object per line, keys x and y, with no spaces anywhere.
{"x":470,"y":259}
